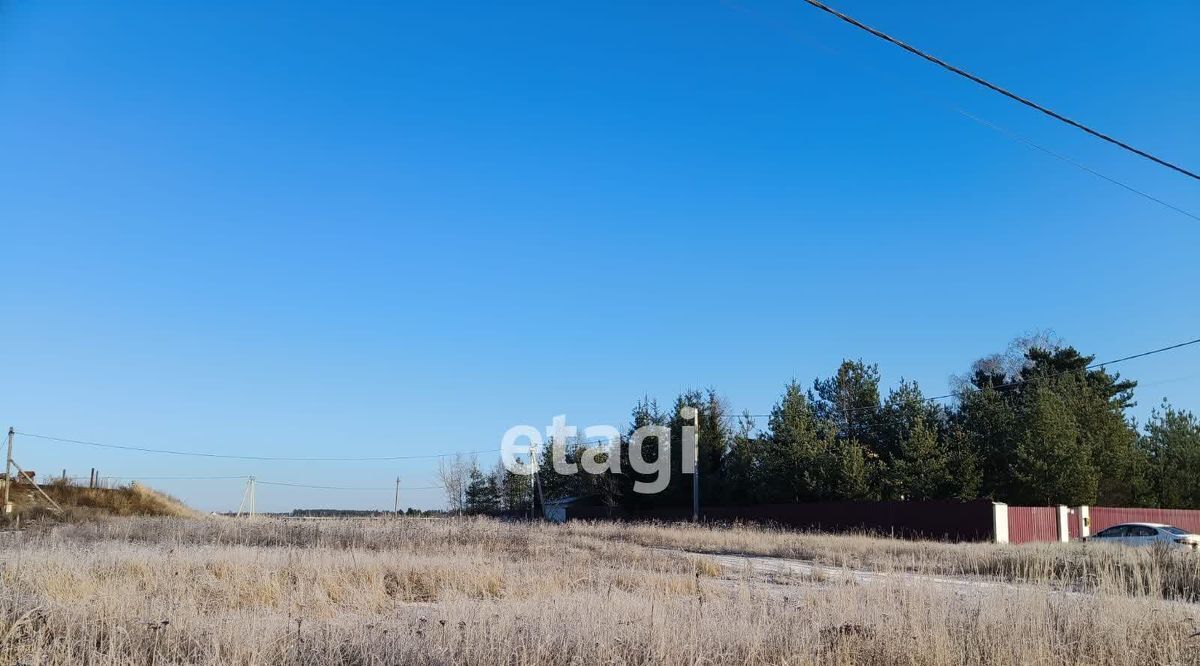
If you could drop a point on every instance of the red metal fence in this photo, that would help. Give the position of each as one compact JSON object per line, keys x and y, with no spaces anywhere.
{"x":952,"y":521}
{"x":1040,"y":523}
{"x":945,"y":520}
{"x":1074,"y":529}
{"x":1104,"y":516}
{"x":1032,"y":523}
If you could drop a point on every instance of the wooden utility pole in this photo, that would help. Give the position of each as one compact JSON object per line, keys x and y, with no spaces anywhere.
{"x":8,"y":478}
{"x":396,"y":504}
{"x":9,"y":464}
{"x":29,"y":478}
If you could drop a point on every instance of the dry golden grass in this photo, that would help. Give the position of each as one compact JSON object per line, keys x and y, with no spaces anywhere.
{"x":80,"y":503}
{"x":1092,"y":567}
{"x":476,"y":591}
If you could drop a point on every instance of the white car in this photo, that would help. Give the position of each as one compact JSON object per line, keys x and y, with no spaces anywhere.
{"x":1147,"y":534}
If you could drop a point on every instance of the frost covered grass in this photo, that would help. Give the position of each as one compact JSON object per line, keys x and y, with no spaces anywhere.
{"x":478,"y":591}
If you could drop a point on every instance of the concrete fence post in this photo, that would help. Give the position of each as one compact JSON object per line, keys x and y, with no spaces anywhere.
{"x":999,"y":522}
{"x":1064,"y":523}
{"x":1085,"y":520}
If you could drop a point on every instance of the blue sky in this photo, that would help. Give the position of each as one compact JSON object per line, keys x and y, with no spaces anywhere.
{"x":307,"y":229}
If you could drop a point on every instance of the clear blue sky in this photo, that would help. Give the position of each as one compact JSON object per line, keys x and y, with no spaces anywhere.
{"x":400,"y":228}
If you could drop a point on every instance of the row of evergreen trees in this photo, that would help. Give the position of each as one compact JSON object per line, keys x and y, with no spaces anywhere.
{"x":1037,"y":425}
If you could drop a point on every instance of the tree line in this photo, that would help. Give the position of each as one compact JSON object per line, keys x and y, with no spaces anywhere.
{"x":1039,"y":424}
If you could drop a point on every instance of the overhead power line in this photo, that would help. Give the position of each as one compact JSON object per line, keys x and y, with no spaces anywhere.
{"x":1093,"y":366}
{"x":291,"y":484}
{"x":1149,"y":353}
{"x":948,"y":396}
{"x":172,"y":478}
{"x":202,"y":454}
{"x":243,"y":477}
{"x":809,"y":40}
{"x":995,"y":88}
{"x":1073,"y":162}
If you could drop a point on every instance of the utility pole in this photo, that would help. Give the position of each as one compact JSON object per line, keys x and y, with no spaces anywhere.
{"x":242,"y":504}
{"x":8,"y":479}
{"x":247,"y":498}
{"x":533,"y":483}
{"x":694,"y":414}
{"x":396,"y":505}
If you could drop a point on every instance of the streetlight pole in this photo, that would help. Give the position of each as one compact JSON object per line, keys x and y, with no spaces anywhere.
{"x":694,"y":414}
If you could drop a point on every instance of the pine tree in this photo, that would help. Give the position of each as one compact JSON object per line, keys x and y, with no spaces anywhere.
{"x":849,"y":401}
{"x":795,"y":463}
{"x":645,"y":412}
{"x":745,"y":468}
{"x":713,"y":437}
{"x":1009,"y":401}
{"x":1172,"y":451}
{"x":914,"y":447}
{"x":847,"y":470}
{"x":1097,"y":402}
{"x":987,"y":424}
{"x":515,"y":490}
{"x":482,"y":495}
{"x":964,"y":465}
{"x":1054,"y":464}
{"x":555,"y":485}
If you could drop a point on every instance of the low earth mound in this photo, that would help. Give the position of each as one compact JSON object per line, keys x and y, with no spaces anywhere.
{"x":84,"y":503}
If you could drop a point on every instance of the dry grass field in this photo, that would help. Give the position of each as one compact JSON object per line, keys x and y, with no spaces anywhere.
{"x":478,"y":591}
{"x":1091,"y":567}
{"x":80,"y":503}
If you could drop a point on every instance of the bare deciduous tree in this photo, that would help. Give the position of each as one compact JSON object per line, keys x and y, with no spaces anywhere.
{"x":454,"y":473}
